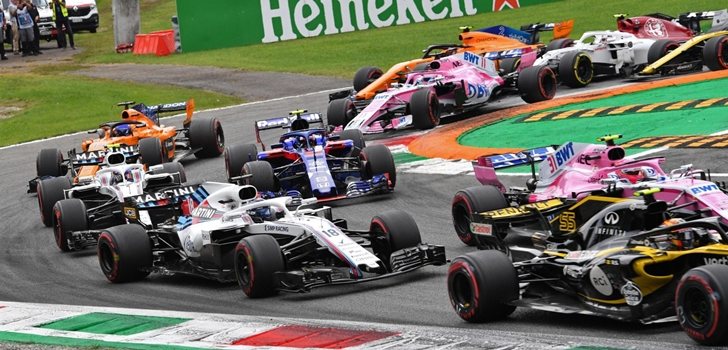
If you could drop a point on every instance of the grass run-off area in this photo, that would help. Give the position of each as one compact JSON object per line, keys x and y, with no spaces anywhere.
{"x":49,"y":105}
{"x":342,"y":54}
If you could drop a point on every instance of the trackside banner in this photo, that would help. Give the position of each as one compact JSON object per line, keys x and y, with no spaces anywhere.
{"x":210,"y":25}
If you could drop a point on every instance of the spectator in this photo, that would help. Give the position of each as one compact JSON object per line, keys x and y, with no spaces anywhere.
{"x":63,"y":24}
{"x":25,"y":27}
{"x":13,"y":11}
{"x":33,"y":10}
{"x":3,"y":24}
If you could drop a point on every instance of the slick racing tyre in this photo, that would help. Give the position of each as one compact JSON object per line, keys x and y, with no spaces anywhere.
{"x":701,"y":303}
{"x":559,"y":44}
{"x":576,"y":69}
{"x":425,"y":108}
{"x":260,"y":176}
{"x":49,"y":163}
{"x":257,"y":259}
{"x":173,"y":168}
{"x":340,"y":112}
{"x":365,"y":76}
{"x":474,"y":200}
{"x":376,"y":160}
{"x":537,"y":83}
{"x":68,"y":215}
{"x":481,"y":285}
{"x":236,"y":156}
{"x":715,"y":53}
{"x":660,"y":48}
{"x":50,"y":191}
{"x":509,"y":65}
{"x":391,"y":231}
{"x":357,"y":138}
{"x":125,"y":253}
{"x":207,"y":134}
{"x":151,"y":151}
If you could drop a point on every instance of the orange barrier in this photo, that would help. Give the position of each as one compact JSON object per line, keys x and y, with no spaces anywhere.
{"x":160,"y":43}
{"x":443,"y":143}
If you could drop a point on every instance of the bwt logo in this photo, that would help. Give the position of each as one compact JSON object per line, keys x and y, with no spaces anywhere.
{"x":716,"y":261}
{"x":472,"y":58}
{"x":698,"y":190}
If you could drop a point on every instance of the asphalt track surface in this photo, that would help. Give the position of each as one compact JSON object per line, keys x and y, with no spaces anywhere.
{"x":32,"y":269}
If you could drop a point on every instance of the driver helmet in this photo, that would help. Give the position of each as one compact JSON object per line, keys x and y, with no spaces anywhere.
{"x":684,"y":238}
{"x":116,"y":178}
{"x":131,"y":175}
{"x":121,"y":130}
{"x":633,"y":175}
{"x":316,"y":140}
{"x":288,"y":143}
{"x":300,"y":141}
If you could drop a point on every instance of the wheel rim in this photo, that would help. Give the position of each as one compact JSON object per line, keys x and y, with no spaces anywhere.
{"x":697,"y":308}
{"x":462,"y":292}
{"x":584,"y":70}
{"x":106,"y":257}
{"x":220,"y":139}
{"x":548,"y":83}
{"x":434,"y":106}
{"x":723,"y":53}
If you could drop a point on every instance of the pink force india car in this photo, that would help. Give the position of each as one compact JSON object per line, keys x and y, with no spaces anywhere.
{"x":452,"y":83}
{"x":574,"y":171}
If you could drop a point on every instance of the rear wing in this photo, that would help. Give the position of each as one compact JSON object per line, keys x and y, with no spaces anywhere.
{"x":485,"y":166}
{"x":152,"y":111}
{"x":692,"y":20}
{"x":296,"y":120}
{"x":529,"y":33}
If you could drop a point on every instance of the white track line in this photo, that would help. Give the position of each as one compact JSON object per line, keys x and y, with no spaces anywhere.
{"x":181,"y":115}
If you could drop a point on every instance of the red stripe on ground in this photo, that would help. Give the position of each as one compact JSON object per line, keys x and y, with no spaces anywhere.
{"x":313,"y":337}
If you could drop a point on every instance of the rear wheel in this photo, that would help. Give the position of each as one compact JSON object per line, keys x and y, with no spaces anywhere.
{"x":378,"y":160}
{"x":715,"y":53}
{"x":261,"y":176}
{"x":365,"y":76}
{"x":49,"y":162}
{"x":474,"y":200}
{"x":236,"y":156}
{"x":391,"y":231}
{"x":660,"y":48}
{"x":481,"y":285}
{"x":576,"y":69}
{"x":537,"y":83}
{"x":701,"y":304}
{"x":356,"y":136}
{"x":125,"y":253}
{"x":68,"y":215}
{"x":340,"y":112}
{"x":510,"y":65}
{"x":425,"y":108}
{"x":50,"y":191}
{"x":257,"y":259}
{"x":207,"y":134}
{"x":559,"y":44}
{"x":151,"y":151}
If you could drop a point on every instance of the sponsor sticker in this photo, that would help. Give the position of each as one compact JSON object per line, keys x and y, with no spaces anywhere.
{"x":632,"y":294}
{"x":130,"y":213}
{"x":581,"y":255}
{"x":481,"y":229}
{"x":601,"y":282}
{"x":275,"y":228}
{"x":524,"y":209}
{"x":714,"y":261}
{"x":703,"y":189}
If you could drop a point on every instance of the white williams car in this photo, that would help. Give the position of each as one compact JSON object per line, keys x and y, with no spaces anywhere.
{"x":226,"y":232}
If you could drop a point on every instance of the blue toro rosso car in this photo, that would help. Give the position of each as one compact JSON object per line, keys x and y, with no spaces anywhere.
{"x":308,"y":162}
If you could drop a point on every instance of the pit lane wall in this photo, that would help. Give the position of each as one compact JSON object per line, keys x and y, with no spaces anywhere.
{"x":212,"y":25}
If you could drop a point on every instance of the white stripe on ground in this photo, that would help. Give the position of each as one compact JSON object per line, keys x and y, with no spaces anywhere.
{"x":182,"y":115}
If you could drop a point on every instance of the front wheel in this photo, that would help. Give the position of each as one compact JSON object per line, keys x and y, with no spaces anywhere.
{"x":701,"y":304}
{"x":537,"y":83}
{"x":481,"y":285}
{"x":260,"y":175}
{"x":357,"y":138}
{"x":151,"y":151}
{"x":391,"y":231}
{"x":236,"y":156}
{"x":473,"y":200}
{"x":715,"y":53}
{"x":206,"y":135}
{"x":49,"y":162}
{"x":125,"y":253}
{"x":69,"y":215}
{"x":50,"y":191}
{"x":340,"y":112}
{"x":378,"y":160}
{"x":365,"y":76}
{"x":425,"y":108}
{"x":257,"y":259}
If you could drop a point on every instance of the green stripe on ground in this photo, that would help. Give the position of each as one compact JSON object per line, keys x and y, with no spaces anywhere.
{"x":512,"y":134}
{"x":75,"y":342}
{"x":104,"y":323}
{"x":406,"y":157}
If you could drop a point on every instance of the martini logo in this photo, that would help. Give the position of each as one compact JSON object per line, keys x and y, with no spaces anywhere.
{"x":158,"y":196}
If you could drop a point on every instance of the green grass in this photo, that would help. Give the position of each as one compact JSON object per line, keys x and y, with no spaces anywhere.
{"x":59,"y":104}
{"x":342,"y":54}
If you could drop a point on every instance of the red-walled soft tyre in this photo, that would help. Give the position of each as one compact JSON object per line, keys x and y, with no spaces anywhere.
{"x":715,"y":53}
{"x":537,"y":83}
{"x":474,"y":200}
{"x":701,"y":304}
{"x":50,"y":191}
{"x":394,"y":230}
{"x":125,"y":253}
{"x":257,"y":259}
{"x":68,"y":215}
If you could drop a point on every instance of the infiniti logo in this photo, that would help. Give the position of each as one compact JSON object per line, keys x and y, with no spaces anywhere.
{"x":611,"y":218}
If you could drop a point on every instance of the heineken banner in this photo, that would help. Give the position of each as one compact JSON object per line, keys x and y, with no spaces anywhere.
{"x":224,"y":23}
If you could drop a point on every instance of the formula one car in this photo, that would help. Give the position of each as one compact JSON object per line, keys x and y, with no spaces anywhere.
{"x":230,"y":234}
{"x":308,"y":162}
{"x":505,"y":51}
{"x":576,"y":170}
{"x":138,"y":131}
{"x":617,"y":264}
{"x":446,"y":86}
{"x":640,"y":41}
{"x":102,"y":201}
